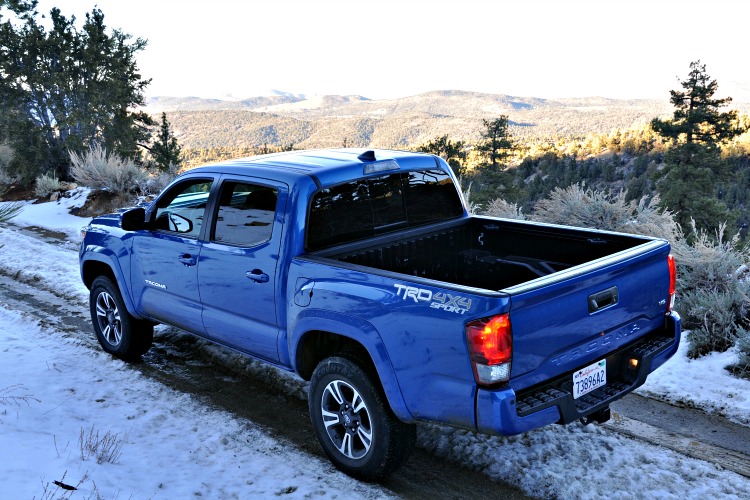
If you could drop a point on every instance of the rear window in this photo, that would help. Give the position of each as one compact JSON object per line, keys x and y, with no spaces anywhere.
{"x":367,"y":207}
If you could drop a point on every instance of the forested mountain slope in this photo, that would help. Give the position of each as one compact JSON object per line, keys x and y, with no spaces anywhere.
{"x":331,"y":121}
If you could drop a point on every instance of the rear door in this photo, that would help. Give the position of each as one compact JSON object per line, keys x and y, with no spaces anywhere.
{"x":238,"y":266}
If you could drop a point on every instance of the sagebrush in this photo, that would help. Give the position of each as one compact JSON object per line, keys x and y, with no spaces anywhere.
{"x":714,"y":291}
{"x":503,"y":209}
{"x":578,"y":205}
{"x":45,"y":185}
{"x":154,"y":183}
{"x":98,"y":169}
{"x":6,"y":157}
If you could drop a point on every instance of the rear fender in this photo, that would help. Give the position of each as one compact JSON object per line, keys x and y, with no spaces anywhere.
{"x":361,"y":332}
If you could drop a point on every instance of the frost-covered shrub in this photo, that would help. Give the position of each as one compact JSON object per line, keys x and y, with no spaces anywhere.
{"x":45,"y":185}
{"x":715,"y":319}
{"x":6,"y":157}
{"x":154,"y":183}
{"x":99,"y":170}
{"x":584,"y":207}
{"x":713,"y":290}
{"x":742,"y":367}
{"x":710,"y":263}
{"x":501,"y":208}
{"x":471,"y":207}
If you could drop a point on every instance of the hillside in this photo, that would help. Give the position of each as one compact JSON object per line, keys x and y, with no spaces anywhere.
{"x":328,"y":121}
{"x":325,"y":121}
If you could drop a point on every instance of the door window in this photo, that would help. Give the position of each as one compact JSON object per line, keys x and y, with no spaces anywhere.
{"x":245,"y":215}
{"x":182,"y":209}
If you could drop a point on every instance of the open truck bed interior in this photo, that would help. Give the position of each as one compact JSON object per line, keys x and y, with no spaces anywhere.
{"x":486,"y":253}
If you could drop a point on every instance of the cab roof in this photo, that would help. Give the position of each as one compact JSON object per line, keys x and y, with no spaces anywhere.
{"x":326,"y":167}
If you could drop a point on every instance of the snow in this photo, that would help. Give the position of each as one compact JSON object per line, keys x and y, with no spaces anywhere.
{"x":56,"y":216}
{"x":711,"y":387}
{"x":54,"y":387}
{"x":172,"y":446}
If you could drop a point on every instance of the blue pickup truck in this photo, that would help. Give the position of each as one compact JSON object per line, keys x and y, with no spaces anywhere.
{"x":361,"y":271}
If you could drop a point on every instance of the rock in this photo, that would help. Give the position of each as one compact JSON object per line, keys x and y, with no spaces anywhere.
{"x":54,"y":196}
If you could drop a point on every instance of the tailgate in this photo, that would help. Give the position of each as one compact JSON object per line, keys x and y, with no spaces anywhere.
{"x":570,"y":319}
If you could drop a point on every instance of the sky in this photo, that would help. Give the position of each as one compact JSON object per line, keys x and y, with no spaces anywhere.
{"x":395,"y":48}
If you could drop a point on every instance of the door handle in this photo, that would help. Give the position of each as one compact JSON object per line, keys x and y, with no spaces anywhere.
{"x":187,"y":259}
{"x":603,"y":299}
{"x":258,"y":276}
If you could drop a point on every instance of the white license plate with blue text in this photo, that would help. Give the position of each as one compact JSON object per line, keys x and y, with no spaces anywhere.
{"x":587,"y":379}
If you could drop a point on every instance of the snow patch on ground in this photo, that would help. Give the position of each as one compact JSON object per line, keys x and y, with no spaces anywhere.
{"x":55,"y":215}
{"x":172,"y":446}
{"x":701,"y":383}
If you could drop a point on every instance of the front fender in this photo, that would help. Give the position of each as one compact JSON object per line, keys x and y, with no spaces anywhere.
{"x":103,"y":256}
{"x":362,"y":332}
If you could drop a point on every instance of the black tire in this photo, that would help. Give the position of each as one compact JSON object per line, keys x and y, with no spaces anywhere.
{"x":353,"y":422}
{"x":119,"y":333}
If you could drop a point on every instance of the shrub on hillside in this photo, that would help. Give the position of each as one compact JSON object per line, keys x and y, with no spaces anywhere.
{"x":715,"y":320}
{"x":580,"y":206}
{"x":155,"y":182}
{"x":713,"y":290}
{"x":6,"y":157}
{"x":45,"y":185}
{"x":501,"y":208}
{"x":471,"y":207}
{"x":99,"y":170}
{"x":742,"y":367}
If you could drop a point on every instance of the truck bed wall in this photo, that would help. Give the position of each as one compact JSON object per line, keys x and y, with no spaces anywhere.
{"x":489,"y":253}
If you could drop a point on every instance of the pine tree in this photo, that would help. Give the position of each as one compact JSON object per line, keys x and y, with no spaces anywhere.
{"x":70,"y":88}
{"x":697,"y":117}
{"x":497,"y":143}
{"x":454,"y":152}
{"x":165,"y":151}
{"x":694,"y":171}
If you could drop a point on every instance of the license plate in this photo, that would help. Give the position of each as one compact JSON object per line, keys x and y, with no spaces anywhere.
{"x":587,"y":379}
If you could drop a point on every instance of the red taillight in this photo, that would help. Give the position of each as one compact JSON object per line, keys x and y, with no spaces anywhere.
{"x":672,"y":281}
{"x":490,"y":348}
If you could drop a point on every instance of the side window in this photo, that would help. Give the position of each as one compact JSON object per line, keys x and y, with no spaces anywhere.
{"x":182,"y":209}
{"x":246,"y":213}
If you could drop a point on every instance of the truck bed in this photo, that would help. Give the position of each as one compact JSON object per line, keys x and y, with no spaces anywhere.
{"x":487,"y":253}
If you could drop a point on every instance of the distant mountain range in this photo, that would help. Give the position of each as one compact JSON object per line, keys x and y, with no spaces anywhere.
{"x":330,"y":121}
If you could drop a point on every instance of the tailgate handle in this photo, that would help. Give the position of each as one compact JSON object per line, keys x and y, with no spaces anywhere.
{"x":600,"y":300}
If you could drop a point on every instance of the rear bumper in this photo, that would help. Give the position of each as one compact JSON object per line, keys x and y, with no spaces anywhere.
{"x":505,"y":412}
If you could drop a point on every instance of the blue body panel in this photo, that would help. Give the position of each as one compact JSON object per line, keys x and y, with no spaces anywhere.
{"x":418,"y":348}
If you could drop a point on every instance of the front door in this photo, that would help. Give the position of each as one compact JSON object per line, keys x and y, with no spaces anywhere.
{"x":164,"y":271}
{"x":238,"y":265}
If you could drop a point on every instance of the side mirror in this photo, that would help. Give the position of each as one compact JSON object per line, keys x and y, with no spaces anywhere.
{"x":133,"y":219}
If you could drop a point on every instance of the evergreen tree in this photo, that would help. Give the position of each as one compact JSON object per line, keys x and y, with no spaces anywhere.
{"x":454,"y":152}
{"x":165,"y":151}
{"x":697,"y":117}
{"x":69,"y":88}
{"x":496,"y":144}
{"x":694,"y":171}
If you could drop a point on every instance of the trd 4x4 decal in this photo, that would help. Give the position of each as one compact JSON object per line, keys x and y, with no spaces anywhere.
{"x":445,"y":301}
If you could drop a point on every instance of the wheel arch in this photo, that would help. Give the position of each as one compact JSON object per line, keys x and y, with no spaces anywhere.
{"x":93,"y":267}
{"x":318,"y":338}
